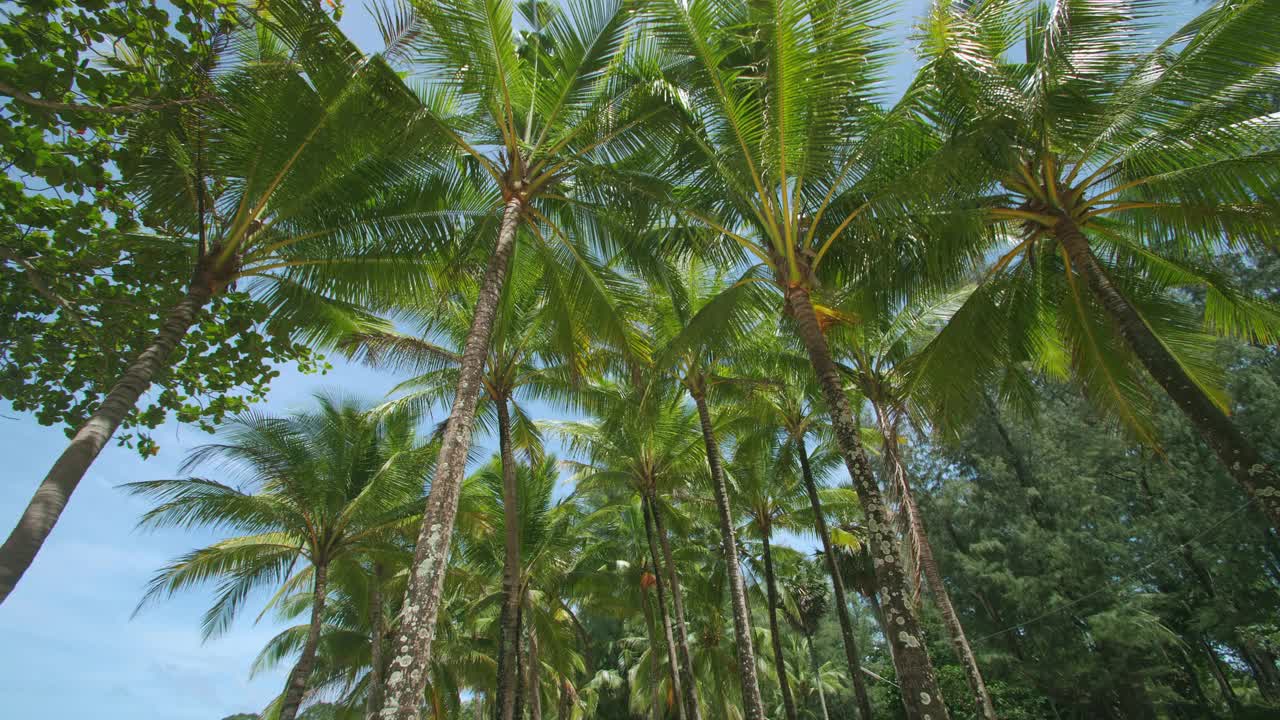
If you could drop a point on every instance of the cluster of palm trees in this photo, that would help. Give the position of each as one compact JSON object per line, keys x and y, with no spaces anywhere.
{"x":696,"y":223}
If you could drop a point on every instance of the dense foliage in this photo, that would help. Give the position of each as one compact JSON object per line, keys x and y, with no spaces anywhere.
{"x":960,"y":406}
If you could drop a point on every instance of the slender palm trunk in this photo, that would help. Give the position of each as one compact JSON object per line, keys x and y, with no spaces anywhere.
{"x":851,"y":654}
{"x":817,"y":674}
{"x":533,"y":686}
{"x":518,"y":653}
{"x":779,"y":662}
{"x":660,"y":586}
{"x":687,"y":686}
{"x":752,"y":705}
{"x":296,"y":686}
{"x":407,"y":676}
{"x":509,"y":637}
{"x":928,"y":564}
{"x":377,"y":625}
{"x":920,"y":693}
{"x":46,"y":506}
{"x":1241,"y":459}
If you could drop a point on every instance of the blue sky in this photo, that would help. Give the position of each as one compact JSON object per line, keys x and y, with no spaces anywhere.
{"x":70,"y":647}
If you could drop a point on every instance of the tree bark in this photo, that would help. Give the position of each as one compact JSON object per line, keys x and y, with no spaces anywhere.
{"x":752,"y":705}
{"x":509,"y":637}
{"x":779,"y":661}
{"x":1241,"y":459}
{"x":533,"y":685}
{"x":655,"y":699}
{"x":921,"y":696}
{"x":659,"y":586}
{"x":46,"y":506}
{"x":296,"y":686}
{"x":851,"y":654}
{"x":377,"y":626}
{"x":687,"y":686}
{"x":932,"y":575}
{"x":817,"y":674}
{"x":407,"y":676}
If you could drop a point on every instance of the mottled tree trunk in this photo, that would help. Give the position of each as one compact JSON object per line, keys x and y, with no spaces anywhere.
{"x":654,"y":676}
{"x":46,"y":506}
{"x":687,"y":686}
{"x":1237,"y":454}
{"x":932,"y":575}
{"x":296,"y":686}
{"x":752,"y":705}
{"x":851,"y":654}
{"x":659,"y":586}
{"x":377,"y":625}
{"x":775,"y":636}
{"x":817,"y":674}
{"x":407,"y":673}
{"x":921,"y":696}
{"x":509,"y":637}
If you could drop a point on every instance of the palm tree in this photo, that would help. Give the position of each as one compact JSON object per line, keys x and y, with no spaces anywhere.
{"x":1119,"y":173}
{"x":323,"y":486}
{"x":769,"y":497}
{"x":292,"y":178}
{"x":786,"y":408}
{"x":643,"y":444}
{"x":535,"y":340}
{"x":808,"y":604}
{"x":786,"y":158}
{"x":533,"y":118}
{"x":877,"y":354}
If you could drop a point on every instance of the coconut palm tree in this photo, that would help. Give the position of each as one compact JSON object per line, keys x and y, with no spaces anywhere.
{"x":1118,"y":171}
{"x":534,"y":114}
{"x":535,"y":345}
{"x":786,"y":158}
{"x":321,"y":487}
{"x":296,"y":177}
{"x":808,"y":603}
{"x":642,"y":445}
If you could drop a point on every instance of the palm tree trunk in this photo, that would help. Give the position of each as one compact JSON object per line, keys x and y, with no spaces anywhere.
{"x":689,"y":690}
{"x":932,"y":575}
{"x":779,"y":662}
{"x":407,"y":676}
{"x":377,"y":629}
{"x":851,"y":654}
{"x":296,"y":686}
{"x":659,"y":586}
{"x":46,"y":506}
{"x":509,"y":637}
{"x":1241,"y":459}
{"x":752,"y":705}
{"x":817,"y":674}
{"x":518,"y":654}
{"x":920,"y":693}
{"x":533,"y":686}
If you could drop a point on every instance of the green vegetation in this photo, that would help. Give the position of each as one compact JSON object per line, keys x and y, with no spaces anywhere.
{"x":959,"y":406}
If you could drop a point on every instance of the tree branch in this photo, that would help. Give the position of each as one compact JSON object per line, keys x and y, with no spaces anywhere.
{"x":28,"y":99}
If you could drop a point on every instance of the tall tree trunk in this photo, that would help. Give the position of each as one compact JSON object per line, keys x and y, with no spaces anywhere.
{"x":407,"y":675}
{"x":779,"y":662}
{"x":932,"y":575}
{"x":752,"y":705}
{"x":296,"y":686}
{"x":687,"y":686}
{"x":519,"y":662}
{"x":1237,"y":454}
{"x":377,"y":624}
{"x":851,"y":654}
{"x":533,"y":684}
{"x":46,"y":506}
{"x":565,"y":706}
{"x":654,"y":676}
{"x":509,"y":637}
{"x":659,"y":586}
{"x":920,"y":693}
{"x":817,"y":674}
{"x":1220,"y":677}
